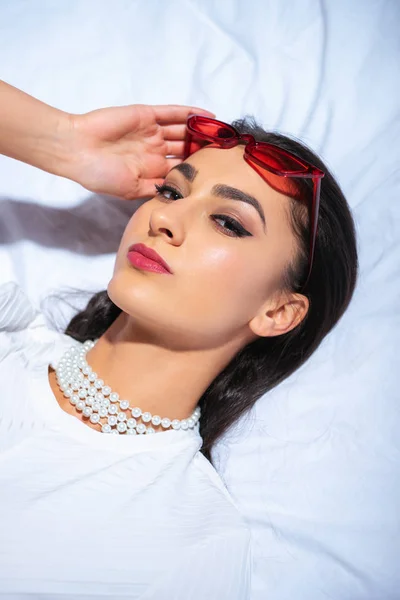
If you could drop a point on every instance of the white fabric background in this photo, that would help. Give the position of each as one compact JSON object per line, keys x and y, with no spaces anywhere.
{"x":315,"y":467}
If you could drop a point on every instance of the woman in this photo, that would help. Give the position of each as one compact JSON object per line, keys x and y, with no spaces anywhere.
{"x":256,"y":262}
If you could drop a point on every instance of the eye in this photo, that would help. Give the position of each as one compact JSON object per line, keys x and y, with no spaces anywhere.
{"x":164,"y":190}
{"x":234,"y":229}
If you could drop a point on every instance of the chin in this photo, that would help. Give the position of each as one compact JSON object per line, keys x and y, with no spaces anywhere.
{"x":117,"y":292}
{"x":130,"y":295}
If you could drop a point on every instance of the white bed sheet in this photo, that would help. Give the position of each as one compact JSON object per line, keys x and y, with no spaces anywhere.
{"x":315,"y":467}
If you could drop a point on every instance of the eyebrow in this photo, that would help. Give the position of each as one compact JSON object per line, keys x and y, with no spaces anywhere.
{"x":187,"y":170}
{"x":222,"y":191}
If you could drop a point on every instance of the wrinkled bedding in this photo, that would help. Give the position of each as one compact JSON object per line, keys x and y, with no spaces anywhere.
{"x":315,"y":466}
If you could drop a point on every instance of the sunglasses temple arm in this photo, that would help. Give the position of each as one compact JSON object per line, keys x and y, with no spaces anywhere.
{"x":313,"y":225}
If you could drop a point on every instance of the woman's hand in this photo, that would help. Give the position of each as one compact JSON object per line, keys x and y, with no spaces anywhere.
{"x":122,"y":151}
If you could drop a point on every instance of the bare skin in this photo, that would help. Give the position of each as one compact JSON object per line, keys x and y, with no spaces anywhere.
{"x":178,"y":331}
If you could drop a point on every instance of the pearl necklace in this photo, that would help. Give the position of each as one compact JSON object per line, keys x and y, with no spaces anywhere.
{"x":97,"y":401}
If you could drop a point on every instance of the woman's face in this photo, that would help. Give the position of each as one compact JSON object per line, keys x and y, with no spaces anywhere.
{"x":224,"y":286}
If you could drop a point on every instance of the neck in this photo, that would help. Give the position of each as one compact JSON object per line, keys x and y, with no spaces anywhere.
{"x":157,"y":378}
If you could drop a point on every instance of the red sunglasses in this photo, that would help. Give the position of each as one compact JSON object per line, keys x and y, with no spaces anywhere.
{"x":259,"y":154}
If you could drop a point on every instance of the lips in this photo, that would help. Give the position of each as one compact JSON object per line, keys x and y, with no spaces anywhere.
{"x":150,"y":254}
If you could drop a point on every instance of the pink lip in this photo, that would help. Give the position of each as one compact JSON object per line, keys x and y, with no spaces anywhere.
{"x":146,"y":258}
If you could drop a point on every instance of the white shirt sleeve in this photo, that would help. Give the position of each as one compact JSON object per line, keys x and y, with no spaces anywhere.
{"x":218,"y":569}
{"x":21,"y":323}
{"x":16,"y":311}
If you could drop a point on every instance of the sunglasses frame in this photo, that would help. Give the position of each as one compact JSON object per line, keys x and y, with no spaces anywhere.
{"x":306,"y":170}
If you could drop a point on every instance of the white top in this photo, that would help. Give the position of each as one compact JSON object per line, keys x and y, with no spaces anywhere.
{"x":87,"y":515}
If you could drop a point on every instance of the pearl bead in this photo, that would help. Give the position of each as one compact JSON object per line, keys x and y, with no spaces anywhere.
{"x":89,"y":395}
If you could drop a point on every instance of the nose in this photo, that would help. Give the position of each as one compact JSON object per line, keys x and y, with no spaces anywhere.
{"x":168,"y":220}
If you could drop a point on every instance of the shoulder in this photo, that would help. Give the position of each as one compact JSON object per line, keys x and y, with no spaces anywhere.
{"x":24,"y":333}
{"x":223,"y":502}
{"x":16,"y":311}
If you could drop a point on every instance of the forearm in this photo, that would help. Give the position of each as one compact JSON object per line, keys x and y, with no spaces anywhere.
{"x":32,"y":131}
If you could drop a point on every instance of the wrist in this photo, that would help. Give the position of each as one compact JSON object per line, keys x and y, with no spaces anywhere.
{"x":60,"y":149}
{"x":34,"y":132}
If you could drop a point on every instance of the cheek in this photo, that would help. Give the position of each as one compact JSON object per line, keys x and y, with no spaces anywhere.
{"x":234,"y":280}
{"x":223,"y":282}
{"x":134,"y":232}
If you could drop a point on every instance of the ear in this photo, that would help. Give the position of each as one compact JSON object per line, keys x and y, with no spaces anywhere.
{"x":283,"y":316}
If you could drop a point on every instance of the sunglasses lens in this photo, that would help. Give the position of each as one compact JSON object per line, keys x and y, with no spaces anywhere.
{"x":278,"y":159}
{"x":213,"y":128}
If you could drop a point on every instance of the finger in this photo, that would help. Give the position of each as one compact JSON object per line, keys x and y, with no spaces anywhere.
{"x":175,"y":113}
{"x":161,"y":171}
{"x":148,"y":187}
{"x":175,"y":148}
{"x":174,"y":132}
{"x":172,"y":162}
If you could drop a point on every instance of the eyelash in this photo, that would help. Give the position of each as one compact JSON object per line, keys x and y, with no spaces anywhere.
{"x":237,"y":229}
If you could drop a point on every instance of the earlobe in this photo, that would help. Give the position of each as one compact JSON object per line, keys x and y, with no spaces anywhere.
{"x":262,"y":325}
{"x":281,"y":319}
